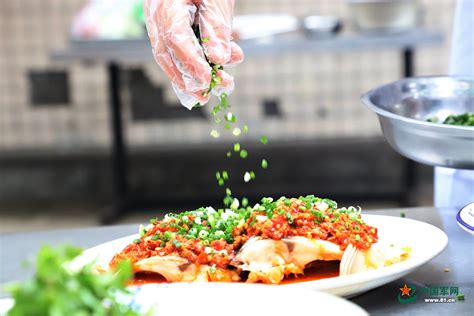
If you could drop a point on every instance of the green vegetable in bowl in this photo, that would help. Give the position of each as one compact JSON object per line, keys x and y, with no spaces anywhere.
{"x":465,"y":119}
{"x":57,"y":290}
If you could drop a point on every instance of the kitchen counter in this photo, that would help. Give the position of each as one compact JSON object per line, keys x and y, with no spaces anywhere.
{"x":458,"y":257}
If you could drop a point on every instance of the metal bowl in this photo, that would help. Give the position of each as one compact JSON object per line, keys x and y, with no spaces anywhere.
{"x":403,"y":108}
{"x":384,"y":15}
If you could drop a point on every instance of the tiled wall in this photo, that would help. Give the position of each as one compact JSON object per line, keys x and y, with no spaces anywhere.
{"x":319,"y":92}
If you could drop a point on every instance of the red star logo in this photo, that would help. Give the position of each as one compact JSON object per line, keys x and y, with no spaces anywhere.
{"x":405,"y":290}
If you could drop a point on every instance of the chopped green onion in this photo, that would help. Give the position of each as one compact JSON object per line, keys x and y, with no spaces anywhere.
{"x":215,"y":133}
{"x":236,"y":131}
{"x":245,"y":128}
{"x":229,"y":154}
{"x":236,"y":147}
{"x":235,"y":204}
{"x":215,"y":110}
{"x":243,"y":153}
{"x":137,"y":241}
{"x":264,"y":164}
{"x":205,"y":39}
{"x":176,"y":243}
{"x":247,"y":176}
{"x":264,"y":140}
{"x":230,"y":117}
{"x":223,"y":100}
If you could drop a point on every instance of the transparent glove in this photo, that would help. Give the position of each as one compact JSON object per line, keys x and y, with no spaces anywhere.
{"x":182,"y":56}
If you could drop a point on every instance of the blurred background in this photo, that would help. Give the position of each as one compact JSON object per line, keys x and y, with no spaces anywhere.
{"x":68,"y":159}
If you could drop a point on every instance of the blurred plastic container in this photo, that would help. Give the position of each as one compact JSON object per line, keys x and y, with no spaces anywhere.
{"x":109,"y":19}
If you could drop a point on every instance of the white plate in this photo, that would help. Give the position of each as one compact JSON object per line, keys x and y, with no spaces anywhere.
{"x":231,"y":299}
{"x":426,"y":242}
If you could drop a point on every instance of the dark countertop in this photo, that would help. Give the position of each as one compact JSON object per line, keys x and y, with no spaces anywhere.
{"x":458,"y":257}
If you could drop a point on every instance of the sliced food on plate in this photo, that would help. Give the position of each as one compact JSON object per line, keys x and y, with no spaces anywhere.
{"x":274,"y":242}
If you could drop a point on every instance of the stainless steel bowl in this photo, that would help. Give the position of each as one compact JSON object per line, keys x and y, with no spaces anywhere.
{"x":403,"y":108}
{"x":384,"y":15}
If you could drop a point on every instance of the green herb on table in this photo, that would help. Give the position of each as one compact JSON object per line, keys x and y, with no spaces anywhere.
{"x":57,"y":290}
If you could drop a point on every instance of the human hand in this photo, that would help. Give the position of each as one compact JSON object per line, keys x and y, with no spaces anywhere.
{"x":185,"y":58}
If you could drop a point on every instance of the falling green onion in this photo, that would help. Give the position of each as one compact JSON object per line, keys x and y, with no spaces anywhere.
{"x":243,"y":154}
{"x":215,"y":133}
{"x":236,"y":131}
{"x":264,"y":164}
{"x":247,"y":176}
{"x":236,"y":147}
{"x":264,"y":139}
{"x":230,"y":117}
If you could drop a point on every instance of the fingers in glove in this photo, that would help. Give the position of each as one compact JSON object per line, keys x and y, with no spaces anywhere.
{"x":237,"y":54}
{"x":226,"y":84}
{"x":160,"y":54}
{"x":182,"y":44}
{"x":215,"y":25}
{"x":190,"y":100}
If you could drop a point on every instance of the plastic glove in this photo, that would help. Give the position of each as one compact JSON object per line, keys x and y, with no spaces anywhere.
{"x":181,"y":55}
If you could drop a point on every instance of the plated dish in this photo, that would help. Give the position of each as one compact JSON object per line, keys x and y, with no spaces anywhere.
{"x":319,"y":250}
{"x":273,"y":242}
{"x":396,"y":231}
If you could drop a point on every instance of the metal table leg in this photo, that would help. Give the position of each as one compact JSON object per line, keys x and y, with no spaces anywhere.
{"x":119,"y":156}
{"x":409,"y":180}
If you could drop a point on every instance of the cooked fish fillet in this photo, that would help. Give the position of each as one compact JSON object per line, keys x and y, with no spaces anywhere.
{"x":177,"y":269}
{"x":270,"y":260}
